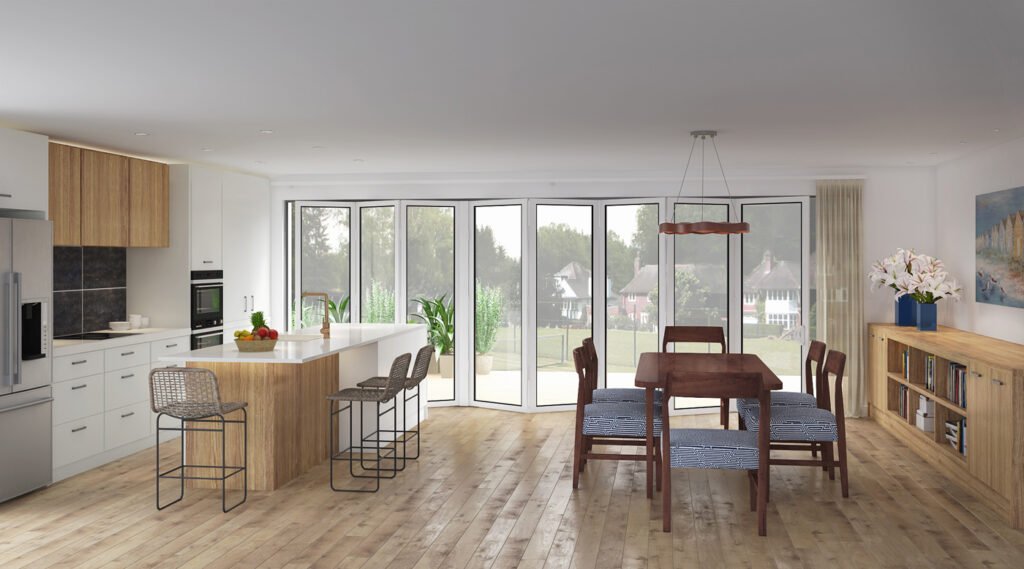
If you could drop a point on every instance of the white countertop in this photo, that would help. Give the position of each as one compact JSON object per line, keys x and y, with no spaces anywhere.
{"x":137,"y":336}
{"x":343,"y":337}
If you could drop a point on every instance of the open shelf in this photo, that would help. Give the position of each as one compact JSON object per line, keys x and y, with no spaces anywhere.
{"x":920,"y":390}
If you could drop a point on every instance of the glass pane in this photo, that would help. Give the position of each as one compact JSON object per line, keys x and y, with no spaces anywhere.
{"x":772,"y":285}
{"x":377,"y":264}
{"x":701,"y":281}
{"x":324,"y":254}
{"x":430,"y":288}
{"x":498,"y":310}
{"x":564,"y":297}
{"x":631,"y":266}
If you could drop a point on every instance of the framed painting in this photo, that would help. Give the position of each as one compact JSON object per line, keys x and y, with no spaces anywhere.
{"x":999,"y":248}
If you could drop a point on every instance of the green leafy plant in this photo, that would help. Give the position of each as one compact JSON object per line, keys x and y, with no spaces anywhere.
{"x":380,"y":304}
{"x":312,"y":313}
{"x":489,"y":306}
{"x":439,"y":315}
{"x":338,"y":312}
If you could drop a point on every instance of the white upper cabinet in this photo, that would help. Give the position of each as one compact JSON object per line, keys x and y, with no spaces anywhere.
{"x":205,"y":206}
{"x":246,"y":231}
{"x":24,"y":170}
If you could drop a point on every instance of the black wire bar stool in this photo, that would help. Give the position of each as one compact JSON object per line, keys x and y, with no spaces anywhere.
{"x":192,"y":396}
{"x":419,"y":373}
{"x":394,"y":385}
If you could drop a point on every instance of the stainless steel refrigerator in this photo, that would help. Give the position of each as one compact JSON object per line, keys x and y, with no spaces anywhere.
{"x":26,"y":440}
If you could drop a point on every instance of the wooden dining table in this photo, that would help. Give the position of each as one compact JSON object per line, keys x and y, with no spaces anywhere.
{"x":654,"y":368}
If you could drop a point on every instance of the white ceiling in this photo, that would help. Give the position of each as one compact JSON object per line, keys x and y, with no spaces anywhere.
{"x":420,"y":86}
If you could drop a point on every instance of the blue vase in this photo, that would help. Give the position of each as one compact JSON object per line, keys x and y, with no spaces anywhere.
{"x":927,"y":317}
{"x":906,"y":311}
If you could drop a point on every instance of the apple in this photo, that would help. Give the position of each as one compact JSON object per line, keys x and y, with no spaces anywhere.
{"x":273,"y":334}
{"x":263,"y":332}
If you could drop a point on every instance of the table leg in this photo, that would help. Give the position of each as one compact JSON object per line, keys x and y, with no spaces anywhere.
{"x":649,"y":402}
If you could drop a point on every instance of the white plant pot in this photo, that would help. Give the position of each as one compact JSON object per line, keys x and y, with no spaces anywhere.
{"x":432,"y":368}
{"x":484,"y":364}
{"x":446,"y":365}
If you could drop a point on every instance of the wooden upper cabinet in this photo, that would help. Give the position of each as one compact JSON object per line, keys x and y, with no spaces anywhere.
{"x":148,"y":196}
{"x":66,"y":194}
{"x":104,"y":199}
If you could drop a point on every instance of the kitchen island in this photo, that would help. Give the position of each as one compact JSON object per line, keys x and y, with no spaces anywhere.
{"x":287,"y":389}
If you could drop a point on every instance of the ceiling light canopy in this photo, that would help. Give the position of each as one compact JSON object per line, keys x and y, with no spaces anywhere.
{"x":703,"y":227}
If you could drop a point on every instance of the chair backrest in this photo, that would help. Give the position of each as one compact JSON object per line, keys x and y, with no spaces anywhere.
{"x":397,"y":376}
{"x":584,"y":375}
{"x":182,"y":386}
{"x":693,"y":334}
{"x":812,"y":372}
{"x":835,"y":365}
{"x":423,"y":358}
{"x":590,"y":352}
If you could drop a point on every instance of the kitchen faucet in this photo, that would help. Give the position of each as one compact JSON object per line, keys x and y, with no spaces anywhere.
{"x":325,"y":329}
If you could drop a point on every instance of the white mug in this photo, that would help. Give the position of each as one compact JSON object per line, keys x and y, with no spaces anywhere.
{"x":135,"y":320}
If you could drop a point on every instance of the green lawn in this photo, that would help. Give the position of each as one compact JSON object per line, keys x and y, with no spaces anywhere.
{"x":554,"y":349}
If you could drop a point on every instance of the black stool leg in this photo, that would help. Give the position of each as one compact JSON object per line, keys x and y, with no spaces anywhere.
{"x":181,"y":467}
{"x":224,"y":462}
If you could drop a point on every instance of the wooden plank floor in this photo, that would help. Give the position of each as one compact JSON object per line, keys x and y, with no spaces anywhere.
{"x":493,"y":489}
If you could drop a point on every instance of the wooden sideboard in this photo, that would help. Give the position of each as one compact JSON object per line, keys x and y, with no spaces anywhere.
{"x":984,"y":418}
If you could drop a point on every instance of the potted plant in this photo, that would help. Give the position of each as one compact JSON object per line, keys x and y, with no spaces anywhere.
{"x":888,"y":272}
{"x":489,"y":305}
{"x":927,"y":283}
{"x":439,"y":316}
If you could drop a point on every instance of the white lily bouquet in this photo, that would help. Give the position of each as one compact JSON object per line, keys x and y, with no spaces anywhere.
{"x":923,"y":277}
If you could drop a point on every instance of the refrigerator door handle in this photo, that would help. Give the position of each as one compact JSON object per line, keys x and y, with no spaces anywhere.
{"x":16,"y":317}
{"x":8,"y":347}
{"x":25,"y":405}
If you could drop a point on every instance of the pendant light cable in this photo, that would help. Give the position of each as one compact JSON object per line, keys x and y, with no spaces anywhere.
{"x":679,"y":194}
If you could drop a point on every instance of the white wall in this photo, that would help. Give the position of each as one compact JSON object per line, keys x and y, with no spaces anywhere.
{"x":957,"y":184}
{"x":899,"y":211}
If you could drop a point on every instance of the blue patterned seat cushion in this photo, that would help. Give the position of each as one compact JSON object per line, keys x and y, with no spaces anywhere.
{"x":780,"y":399}
{"x":796,"y":424}
{"x":713,"y":448}
{"x":618,"y":420}
{"x":630,"y":394}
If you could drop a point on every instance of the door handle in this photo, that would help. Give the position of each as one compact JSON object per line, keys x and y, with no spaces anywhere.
{"x":26,"y":405}
{"x":997,"y":382}
{"x":8,"y":347}
{"x":17,"y":317}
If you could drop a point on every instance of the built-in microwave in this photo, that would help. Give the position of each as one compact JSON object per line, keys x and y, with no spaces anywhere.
{"x":207,"y":299}
{"x":206,"y":339}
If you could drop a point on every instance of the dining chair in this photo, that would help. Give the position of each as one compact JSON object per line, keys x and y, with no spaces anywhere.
{"x":612,"y":394}
{"x":608,"y":423}
{"x":716,"y":448}
{"x":699,"y":335}
{"x":798,"y":428}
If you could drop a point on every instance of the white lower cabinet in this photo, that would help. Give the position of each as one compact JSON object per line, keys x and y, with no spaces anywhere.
{"x":77,"y":440}
{"x":101,"y":406}
{"x":124,"y":425}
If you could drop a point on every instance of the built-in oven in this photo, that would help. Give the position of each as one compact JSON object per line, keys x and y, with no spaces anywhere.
{"x":207,"y":299}
{"x":207,"y":338}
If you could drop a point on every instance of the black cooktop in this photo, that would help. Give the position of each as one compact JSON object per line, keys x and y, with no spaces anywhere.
{"x":95,"y":336}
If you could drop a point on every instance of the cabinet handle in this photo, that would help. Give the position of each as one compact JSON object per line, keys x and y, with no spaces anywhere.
{"x":130,"y":375}
{"x":997,"y":382}
{"x":128,"y":414}
{"x":207,"y":262}
{"x":171,"y":346}
{"x":79,"y":362}
{"x":252,"y":302}
{"x":77,"y":429}
{"x":245,"y":303}
{"x":77,"y":387}
{"x":6,"y":196}
{"x":127,"y":354}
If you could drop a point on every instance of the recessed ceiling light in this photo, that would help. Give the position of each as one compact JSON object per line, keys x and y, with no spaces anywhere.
{"x":358,"y":160}
{"x":995,"y":130}
{"x":932,"y":153}
{"x":141,"y":134}
{"x":318,"y":147}
{"x":207,"y":150}
{"x":963,"y":142}
{"x":266,"y":132}
{"x":261,"y":161}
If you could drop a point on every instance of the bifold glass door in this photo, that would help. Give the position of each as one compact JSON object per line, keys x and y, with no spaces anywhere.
{"x":321,"y":263}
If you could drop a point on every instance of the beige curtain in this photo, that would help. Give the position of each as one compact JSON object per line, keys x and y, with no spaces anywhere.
{"x":840,"y":297}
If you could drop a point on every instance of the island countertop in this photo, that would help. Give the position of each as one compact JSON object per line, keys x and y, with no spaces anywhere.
{"x":291,"y":350}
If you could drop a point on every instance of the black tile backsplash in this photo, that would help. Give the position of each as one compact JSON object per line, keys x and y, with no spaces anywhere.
{"x":67,"y":268}
{"x":101,"y":306}
{"x":103,"y":267}
{"x":89,"y":288}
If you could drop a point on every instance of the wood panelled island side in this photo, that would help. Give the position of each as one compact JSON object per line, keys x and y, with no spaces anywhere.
{"x":286,"y":392}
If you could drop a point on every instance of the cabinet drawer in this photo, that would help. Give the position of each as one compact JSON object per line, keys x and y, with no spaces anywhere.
{"x":75,"y":440}
{"x":127,"y":356}
{"x":78,"y":365}
{"x":162,"y":348}
{"x":74,"y":400}
{"x":125,"y":425}
{"x":126,"y":387}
